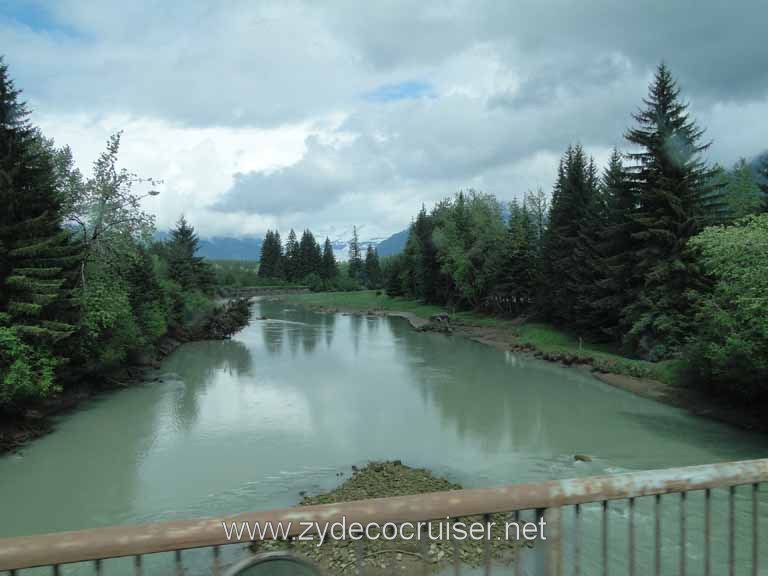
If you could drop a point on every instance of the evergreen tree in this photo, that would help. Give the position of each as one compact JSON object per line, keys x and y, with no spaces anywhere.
{"x":565,"y":248}
{"x":328,"y":269}
{"x":423,"y":275}
{"x":393,"y":271}
{"x":271,"y":261}
{"x":277,"y":257}
{"x":356,"y":270}
{"x":310,"y":256}
{"x":616,"y":248}
{"x":742,"y":193}
{"x":372,"y":268}
{"x":292,"y":258}
{"x":186,"y":268}
{"x":267,"y":260}
{"x":37,"y":256}
{"x":588,"y":268}
{"x":671,"y":179}
{"x":514,"y":287}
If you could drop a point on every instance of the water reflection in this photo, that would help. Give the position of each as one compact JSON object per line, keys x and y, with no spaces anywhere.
{"x":293,"y":401}
{"x":328,"y":323}
{"x":273,"y":334}
{"x":356,"y":324}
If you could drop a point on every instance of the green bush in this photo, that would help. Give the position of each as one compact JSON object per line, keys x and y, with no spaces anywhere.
{"x":25,"y":372}
{"x":728,"y":350}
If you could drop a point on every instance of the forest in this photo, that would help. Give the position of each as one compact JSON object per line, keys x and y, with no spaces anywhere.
{"x":304,"y":262}
{"x":84,"y":289}
{"x":659,"y":253}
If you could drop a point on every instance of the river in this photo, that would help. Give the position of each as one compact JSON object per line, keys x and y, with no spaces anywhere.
{"x":291,"y":403}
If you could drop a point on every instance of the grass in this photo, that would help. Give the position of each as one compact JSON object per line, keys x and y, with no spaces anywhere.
{"x":549,"y":340}
{"x":365,"y":300}
{"x":604,"y":357}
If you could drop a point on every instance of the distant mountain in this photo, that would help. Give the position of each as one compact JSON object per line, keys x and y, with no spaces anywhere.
{"x":249,"y":247}
{"x":225,"y":247}
{"x":394,"y":244}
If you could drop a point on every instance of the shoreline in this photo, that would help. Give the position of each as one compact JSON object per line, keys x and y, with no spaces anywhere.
{"x":672,"y":395}
{"x":36,"y":421}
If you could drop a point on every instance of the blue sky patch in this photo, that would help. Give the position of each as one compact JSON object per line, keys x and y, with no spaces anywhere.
{"x":401,"y":91}
{"x":33,"y":15}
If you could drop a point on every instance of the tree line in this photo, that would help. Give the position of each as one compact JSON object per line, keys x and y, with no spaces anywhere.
{"x":660,"y":253}
{"x":84,"y":289}
{"x":304,"y":262}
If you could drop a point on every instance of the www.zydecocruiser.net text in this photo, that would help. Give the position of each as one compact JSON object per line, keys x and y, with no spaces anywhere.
{"x":320,"y":532}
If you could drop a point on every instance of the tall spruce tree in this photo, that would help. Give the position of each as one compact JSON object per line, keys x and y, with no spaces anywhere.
{"x":277,"y":257}
{"x":514,"y":286}
{"x":310,"y":256}
{"x":563,"y":280}
{"x":37,"y":256}
{"x":266,"y":258}
{"x":616,"y":249}
{"x":184,"y":266}
{"x":587,"y":269}
{"x":420,"y":267}
{"x":292,"y":258}
{"x":372,"y":268}
{"x":356,"y":270}
{"x":270,"y":263}
{"x":671,"y":180}
{"x":328,"y":269}
{"x":741,"y":192}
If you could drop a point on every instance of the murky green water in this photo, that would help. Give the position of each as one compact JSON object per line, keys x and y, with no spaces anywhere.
{"x":291,"y":403}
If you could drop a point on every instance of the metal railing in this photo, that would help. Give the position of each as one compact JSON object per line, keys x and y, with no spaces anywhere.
{"x":547,"y":499}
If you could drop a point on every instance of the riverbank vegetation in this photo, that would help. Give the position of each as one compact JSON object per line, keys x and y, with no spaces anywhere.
{"x":661,"y":255}
{"x":84,"y":290}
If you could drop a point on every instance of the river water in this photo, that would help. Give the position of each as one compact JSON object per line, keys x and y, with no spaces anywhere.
{"x":291,"y":403}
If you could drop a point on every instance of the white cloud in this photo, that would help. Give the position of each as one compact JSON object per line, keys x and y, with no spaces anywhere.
{"x":197,"y":165}
{"x":255,"y":114}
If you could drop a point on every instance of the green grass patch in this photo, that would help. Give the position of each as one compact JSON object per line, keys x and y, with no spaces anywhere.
{"x":604,"y":357}
{"x":364,"y":300}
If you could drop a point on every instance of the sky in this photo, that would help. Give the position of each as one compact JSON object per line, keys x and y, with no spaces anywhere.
{"x":331,"y":114}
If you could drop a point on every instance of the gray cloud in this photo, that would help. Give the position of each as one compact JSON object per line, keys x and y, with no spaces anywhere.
{"x":325,"y":173}
{"x":436,"y":95}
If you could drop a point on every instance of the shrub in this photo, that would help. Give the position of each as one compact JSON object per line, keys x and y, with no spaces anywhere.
{"x":728,"y":350}
{"x":25,"y":372}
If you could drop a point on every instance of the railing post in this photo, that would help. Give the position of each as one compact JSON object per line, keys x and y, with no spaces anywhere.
{"x":553,"y":546}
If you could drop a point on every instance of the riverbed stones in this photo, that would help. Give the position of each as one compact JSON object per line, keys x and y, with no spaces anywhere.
{"x":399,"y":556}
{"x":438,"y":323}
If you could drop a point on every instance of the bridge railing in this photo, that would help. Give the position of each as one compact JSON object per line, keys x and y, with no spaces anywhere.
{"x":546,"y":499}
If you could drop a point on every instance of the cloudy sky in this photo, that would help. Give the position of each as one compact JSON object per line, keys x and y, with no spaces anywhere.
{"x":327,"y":114}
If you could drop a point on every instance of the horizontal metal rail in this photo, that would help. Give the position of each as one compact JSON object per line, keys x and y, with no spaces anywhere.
{"x":546,"y":497}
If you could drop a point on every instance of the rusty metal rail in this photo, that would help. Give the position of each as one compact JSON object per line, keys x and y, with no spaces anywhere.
{"x":547,"y":499}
